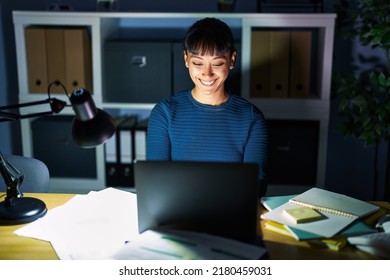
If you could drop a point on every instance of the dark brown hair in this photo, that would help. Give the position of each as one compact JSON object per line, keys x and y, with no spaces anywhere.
{"x":209,"y":36}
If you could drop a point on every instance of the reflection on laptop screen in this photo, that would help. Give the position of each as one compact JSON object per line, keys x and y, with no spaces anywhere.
{"x":214,"y":197}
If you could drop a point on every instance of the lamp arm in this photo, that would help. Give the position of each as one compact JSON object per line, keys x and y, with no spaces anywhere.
{"x":12,"y":178}
{"x":56,"y":106}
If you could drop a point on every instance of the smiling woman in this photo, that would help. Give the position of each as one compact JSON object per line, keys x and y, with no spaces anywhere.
{"x":209,"y":58}
{"x":209,"y":72}
{"x":208,"y":122}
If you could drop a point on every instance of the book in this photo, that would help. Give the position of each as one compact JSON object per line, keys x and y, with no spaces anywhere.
{"x":335,"y":203}
{"x":271,"y":202}
{"x":279,"y":228}
{"x":334,"y":244}
{"x":356,"y":228}
{"x":302,"y":214}
{"x":289,"y":231}
{"x":334,"y":221}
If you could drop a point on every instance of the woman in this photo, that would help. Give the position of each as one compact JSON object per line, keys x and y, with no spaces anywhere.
{"x":207,"y":122}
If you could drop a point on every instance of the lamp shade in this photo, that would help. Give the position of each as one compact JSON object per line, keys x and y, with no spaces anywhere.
{"x":91,"y":126}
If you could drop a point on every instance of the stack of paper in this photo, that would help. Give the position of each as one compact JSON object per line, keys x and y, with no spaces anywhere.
{"x":93,"y":226}
{"x":335,"y":242}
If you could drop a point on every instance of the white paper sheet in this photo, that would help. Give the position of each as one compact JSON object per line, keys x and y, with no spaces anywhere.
{"x":92,"y":226}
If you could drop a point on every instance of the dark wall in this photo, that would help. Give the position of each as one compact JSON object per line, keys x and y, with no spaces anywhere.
{"x":10,"y":131}
{"x":349,"y":163}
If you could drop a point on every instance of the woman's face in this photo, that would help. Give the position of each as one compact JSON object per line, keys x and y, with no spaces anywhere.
{"x":209,"y":72}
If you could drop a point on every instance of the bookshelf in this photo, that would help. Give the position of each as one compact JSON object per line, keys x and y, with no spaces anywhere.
{"x":104,"y":28}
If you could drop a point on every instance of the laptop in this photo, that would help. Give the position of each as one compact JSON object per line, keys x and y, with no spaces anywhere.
{"x":218,"y":198}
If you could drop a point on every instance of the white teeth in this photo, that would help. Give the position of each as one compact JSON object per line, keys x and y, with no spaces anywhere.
{"x":207,"y":83}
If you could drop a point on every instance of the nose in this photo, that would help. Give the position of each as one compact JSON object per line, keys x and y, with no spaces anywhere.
{"x":208,"y":71}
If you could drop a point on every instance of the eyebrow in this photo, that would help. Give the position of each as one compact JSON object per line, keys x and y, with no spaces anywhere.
{"x":217,"y":57}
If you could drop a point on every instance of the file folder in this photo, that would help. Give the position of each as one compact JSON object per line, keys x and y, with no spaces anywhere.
{"x":140,"y":140}
{"x":58,"y":54}
{"x":260,"y":64}
{"x":270,"y":58}
{"x":112,"y":157}
{"x":280,"y":68}
{"x":56,"y":65}
{"x":36,"y":59}
{"x":126,"y":151}
{"x":111,"y":163}
{"x":78,"y":59}
{"x":119,"y":152}
{"x":300,"y":63}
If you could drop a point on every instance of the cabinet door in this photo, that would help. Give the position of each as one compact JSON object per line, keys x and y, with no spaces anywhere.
{"x":137,"y":72}
{"x":53,"y":144}
{"x":293,"y":152}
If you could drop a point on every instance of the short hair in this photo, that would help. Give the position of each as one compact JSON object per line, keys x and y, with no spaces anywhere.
{"x":209,"y":36}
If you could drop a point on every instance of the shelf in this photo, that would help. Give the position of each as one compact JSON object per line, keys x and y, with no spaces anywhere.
{"x":171,"y":27}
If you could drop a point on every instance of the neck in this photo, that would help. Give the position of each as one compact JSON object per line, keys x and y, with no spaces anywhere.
{"x":212,"y":99}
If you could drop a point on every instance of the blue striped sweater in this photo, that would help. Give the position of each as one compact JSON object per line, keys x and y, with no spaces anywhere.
{"x":180,"y":128}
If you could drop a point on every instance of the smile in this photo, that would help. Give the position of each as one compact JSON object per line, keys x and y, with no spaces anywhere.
{"x":207,"y":83}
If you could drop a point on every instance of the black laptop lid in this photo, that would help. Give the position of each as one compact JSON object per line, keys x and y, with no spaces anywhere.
{"x":214,"y":197}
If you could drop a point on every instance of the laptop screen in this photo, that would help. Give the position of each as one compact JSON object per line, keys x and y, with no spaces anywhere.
{"x":213,"y":197}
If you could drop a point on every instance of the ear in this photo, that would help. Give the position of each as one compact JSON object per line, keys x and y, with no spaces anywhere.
{"x":233,"y":60}
{"x":185,"y":58}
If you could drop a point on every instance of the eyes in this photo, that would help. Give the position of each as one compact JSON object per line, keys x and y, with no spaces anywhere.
{"x":215,"y":61}
{"x":214,"y":64}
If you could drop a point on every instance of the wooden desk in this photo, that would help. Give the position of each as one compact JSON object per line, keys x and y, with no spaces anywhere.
{"x":13,"y":247}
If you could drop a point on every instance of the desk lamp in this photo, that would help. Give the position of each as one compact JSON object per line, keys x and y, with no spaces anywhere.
{"x":91,"y":127}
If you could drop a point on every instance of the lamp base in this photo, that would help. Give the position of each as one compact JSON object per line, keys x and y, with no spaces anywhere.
{"x":24,"y":210}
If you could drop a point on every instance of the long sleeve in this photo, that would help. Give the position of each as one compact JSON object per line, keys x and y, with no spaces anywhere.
{"x":180,"y":128}
{"x":158,"y":142}
{"x":256,"y":149}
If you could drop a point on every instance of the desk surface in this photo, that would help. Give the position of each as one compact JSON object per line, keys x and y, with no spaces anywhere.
{"x":13,"y":247}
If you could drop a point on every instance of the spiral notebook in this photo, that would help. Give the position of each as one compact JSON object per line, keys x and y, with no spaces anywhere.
{"x":327,"y":201}
{"x":339,"y":211}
